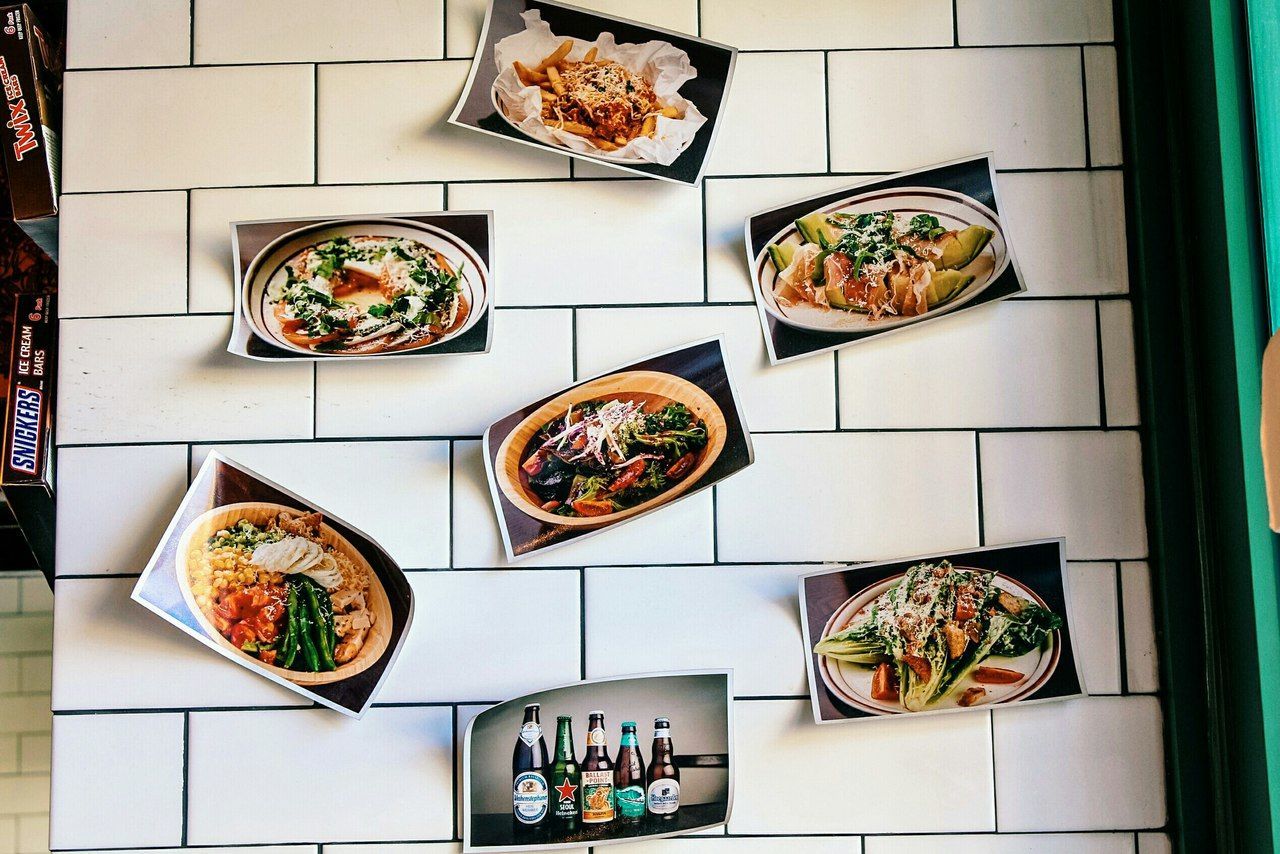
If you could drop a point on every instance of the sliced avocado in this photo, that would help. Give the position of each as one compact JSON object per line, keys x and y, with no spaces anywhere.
{"x":836,"y":297}
{"x":944,"y":285}
{"x":814,"y":228}
{"x":960,"y":249}
{"x":781,"y":255}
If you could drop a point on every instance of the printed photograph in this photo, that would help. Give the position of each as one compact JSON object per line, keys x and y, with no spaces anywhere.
{"x":280,"y":586}
{"x":359,"y":287}
{"x":615,"y":447}
{"x":880,"y":256}
{"x":940,"y":633}
{"x":597,"y":87}
{"x":527,"y":784}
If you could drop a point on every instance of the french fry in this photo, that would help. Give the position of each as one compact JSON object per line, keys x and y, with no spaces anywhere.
{"x":601,"y":142}
{"x":621,"y":140}
{"x":576,"y":128}
{"x":556,"y":55}
{"x":650,"y":125}
{"x":528,"y":76}
{"x":671,"y":112}
{"x":546,"y":86}
{"x":553,"y":75}
{"x":591,"y":54}
{"x":549,"y":97}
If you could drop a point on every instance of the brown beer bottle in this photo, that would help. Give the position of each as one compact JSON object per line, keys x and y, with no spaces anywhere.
{"x":597,"y":775}
{"x":529,"y":792}
{"x":628,"y":776}
{"x":663,"y":794}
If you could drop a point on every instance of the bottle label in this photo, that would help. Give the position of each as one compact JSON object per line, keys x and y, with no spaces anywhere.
{"x":664,"y":796}
{"x":630,"y":801}
{"x":597,"y":796}
{"x":530,"y":732}
{"x":596,"y":737}
{"x":566,"y":798}
{"x":529,"y":797}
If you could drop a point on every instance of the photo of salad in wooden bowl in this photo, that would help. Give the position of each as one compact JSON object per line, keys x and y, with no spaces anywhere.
{"x":285,"y":589}
{"x":364,"y":288}
{"x":610,"y":449}
{"x":938,"y":637}
{"x":881,"y":259}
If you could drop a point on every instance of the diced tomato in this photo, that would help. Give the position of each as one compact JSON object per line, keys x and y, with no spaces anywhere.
{"x":919,"y":666}
{"x":241,"y":635}
{"x":629,"y":476}
{"x":550,"y":505}
{"x":265,"y":629}
{"x":593,"y":507}
{"x":996,"y":676}
{"x":884,"y":684}
{"x":267,"y":656}
{"x":680,"y":467}
{"x":965,"y":609}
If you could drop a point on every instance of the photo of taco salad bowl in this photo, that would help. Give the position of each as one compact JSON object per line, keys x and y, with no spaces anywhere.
{"x":372,"y":287}
{"x":285,"y":590}
{"x":610,"y":449}
{"x":880,"y":259}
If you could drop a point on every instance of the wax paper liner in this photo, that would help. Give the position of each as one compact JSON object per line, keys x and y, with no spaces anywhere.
{"x":665,"y":66}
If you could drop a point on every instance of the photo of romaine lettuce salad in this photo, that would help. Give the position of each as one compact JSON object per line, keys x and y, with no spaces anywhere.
{"x":940,"y":636}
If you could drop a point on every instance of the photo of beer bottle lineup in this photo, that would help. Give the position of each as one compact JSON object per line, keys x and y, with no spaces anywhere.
{"x":553,"y":796}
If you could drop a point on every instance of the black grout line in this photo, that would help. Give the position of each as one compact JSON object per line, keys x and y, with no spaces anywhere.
{"x":955,"y":23}
{"x":444,"y":53}
{"x":1084,"y":101}
{"x":835,"y":368}
{"x":977,"y":471}
{"x":559,"y":179}
{"x":706,"y":253}
{"x":188,"y":252}
{"x":186,"y":772}
{"x":1120,"y":636}
{"x":573,"y":344}
{"x":315,"y":125}
{"x":1102,"y":369}
{"x":191,"y":35}
{"x":995,"y":791}
{"x":1016,"y":300}
{"x":455,"y":751}
{"x":582,"y":622}
{"x":452,"y":490}
{"x":826,"y":102}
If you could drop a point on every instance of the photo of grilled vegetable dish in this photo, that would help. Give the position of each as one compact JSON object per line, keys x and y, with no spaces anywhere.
{"x":602,"y":456}
{"x":940,"y":632}
{"x":367,"y":294}
{"x":281,"y":594}
{"x":883,"y":264}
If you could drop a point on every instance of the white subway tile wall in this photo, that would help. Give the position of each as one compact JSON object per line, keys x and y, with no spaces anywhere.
{"x":1012,"y":422}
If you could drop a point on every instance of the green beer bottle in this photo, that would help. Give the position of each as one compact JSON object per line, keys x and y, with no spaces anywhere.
{"x":628,"y":776}
{"x":566,"y":779}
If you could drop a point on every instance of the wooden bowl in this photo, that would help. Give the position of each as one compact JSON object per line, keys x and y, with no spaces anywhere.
{"x":260,"y":513}
{"x":511,"y":451}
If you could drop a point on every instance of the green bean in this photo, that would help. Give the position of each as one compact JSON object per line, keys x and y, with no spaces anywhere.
{"x":289,"y":644}
{"x":315,"y":617}
{"x":310,"y":656}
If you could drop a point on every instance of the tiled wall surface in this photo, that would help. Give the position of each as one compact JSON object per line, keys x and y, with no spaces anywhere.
{"x":1011,"y":422}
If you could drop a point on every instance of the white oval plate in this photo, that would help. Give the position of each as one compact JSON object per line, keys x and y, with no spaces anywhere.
{"x":953,"y":210}
{"x":852,"y":682}
{"x":267,"y":268}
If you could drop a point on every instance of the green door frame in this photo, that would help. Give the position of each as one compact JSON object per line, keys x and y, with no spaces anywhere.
{"x":1196,"y":245}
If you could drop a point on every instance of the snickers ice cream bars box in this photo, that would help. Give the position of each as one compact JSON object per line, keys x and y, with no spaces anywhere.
{"x":31,"y":80}
{"x":27,"y":474}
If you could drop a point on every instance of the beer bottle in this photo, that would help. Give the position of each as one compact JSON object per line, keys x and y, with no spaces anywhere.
{"x":597,"y":775}
{"x":566,"y":778}
{"x":528,"y":772}
{"x":628,"y":776}
{"x":664,"y":777}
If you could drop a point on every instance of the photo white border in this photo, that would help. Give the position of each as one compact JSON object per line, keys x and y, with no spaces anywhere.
{"x":466,"y":765}
{"x":491,"y":476}
{"x":579,"y":155}
{"x":815,"y":682}
{"x":170,"y":531}
{"x":241,"y":333}
{"x":758,"y":299}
